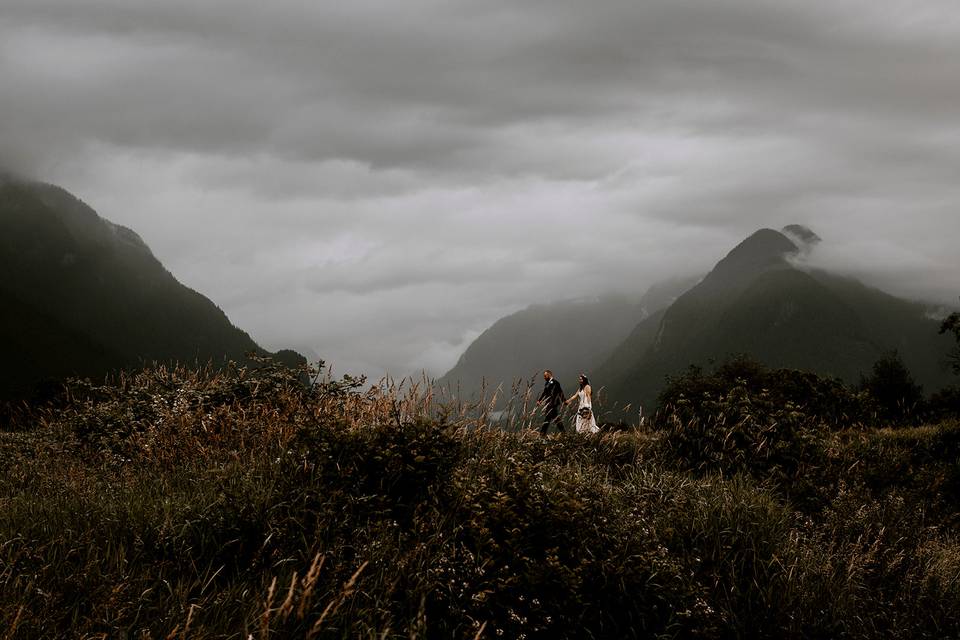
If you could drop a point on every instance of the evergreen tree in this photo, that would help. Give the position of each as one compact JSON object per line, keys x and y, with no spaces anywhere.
{"x":952,"y":324}
{"x":895,"y":393}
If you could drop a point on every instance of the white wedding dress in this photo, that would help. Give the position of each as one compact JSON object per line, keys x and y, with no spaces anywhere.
{"x":589,"y":424}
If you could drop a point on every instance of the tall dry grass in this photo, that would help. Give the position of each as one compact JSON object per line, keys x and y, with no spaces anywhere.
{"x":245,"y":504}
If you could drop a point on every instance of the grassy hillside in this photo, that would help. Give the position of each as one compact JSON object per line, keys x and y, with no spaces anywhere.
{"x":238,"y":504}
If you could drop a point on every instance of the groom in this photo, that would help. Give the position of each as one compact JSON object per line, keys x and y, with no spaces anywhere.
{"x":551,"y":400}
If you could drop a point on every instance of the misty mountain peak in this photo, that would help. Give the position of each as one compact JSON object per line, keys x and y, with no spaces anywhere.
{"x":802,"y":236}
{"x":763,"y":250}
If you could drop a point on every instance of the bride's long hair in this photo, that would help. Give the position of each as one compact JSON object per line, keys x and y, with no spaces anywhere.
{"x":584,"y":380}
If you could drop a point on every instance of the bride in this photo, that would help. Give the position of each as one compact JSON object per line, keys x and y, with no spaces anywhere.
{"x":586,"y":422}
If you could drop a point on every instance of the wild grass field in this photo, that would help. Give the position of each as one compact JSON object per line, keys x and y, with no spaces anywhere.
{"x":244,"y":504}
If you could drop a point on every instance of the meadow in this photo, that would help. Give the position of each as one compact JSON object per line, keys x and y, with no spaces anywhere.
{"x":243,"y":503}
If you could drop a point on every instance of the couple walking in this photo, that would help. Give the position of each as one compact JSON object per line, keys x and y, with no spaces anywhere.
{"x":552,"y":399}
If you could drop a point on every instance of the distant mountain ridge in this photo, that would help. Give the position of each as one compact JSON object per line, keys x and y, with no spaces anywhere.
{"x":84,"y":296}
{"x":567,"y":337}
{"x":757,"y":301}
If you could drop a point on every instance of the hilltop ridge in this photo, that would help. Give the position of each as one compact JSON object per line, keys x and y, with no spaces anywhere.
{"x":757,"y":302}
{"x":85,"y":296}
{"x":568,"y":337}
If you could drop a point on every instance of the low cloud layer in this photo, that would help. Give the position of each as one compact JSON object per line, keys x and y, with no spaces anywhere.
{"x":378,"y":182}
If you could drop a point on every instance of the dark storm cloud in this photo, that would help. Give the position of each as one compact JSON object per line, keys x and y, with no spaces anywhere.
{"x":393,"y":85}
{"x":379,"y":180}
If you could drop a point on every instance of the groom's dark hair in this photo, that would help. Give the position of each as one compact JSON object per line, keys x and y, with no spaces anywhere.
{"x":547,"y":371}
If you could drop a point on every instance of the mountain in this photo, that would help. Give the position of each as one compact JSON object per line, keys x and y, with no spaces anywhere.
{"x":804,"y":238}
{"x":84,"y":296}
{"x":757,"y":301}
{"x":567,"y":337}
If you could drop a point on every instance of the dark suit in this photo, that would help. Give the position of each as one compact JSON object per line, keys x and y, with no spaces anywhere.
{"x":552,"y":399}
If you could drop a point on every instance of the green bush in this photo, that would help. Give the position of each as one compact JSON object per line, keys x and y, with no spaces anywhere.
{"x":740,"y":431}
{"x":826,"y":401}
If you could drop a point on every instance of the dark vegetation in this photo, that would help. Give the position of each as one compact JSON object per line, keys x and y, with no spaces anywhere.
{"x":745,"y":417}
{"x":243,"y":503}
{"x":952,"y":325}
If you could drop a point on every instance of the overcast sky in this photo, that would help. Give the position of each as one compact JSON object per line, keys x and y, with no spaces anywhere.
{"x":380,"y":181}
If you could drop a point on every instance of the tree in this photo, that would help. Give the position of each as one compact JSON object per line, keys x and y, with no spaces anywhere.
{"x":892,"y":388}
{"x":952,"y":324}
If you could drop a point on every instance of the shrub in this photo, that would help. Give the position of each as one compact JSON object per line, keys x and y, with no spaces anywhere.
{"x":740,"y":431}
{"x":945,"y":404}
{"x":825,"y":401}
